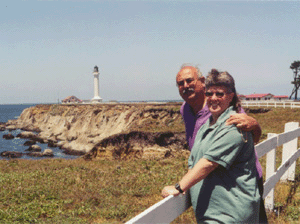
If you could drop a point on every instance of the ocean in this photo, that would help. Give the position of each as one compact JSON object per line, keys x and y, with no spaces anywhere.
{"x":9,"y":112}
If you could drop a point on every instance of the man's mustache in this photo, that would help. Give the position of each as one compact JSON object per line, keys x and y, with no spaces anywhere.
{"x":188,"y":90}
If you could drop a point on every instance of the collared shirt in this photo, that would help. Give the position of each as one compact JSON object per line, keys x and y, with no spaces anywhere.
{"x":229,"y":194}
{"x":193,"y":123}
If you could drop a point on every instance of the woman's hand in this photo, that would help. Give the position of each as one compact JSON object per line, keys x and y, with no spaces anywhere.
{"x":169,"y":190}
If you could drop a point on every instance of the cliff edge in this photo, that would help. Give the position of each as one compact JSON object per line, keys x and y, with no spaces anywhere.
{"x":113,"y":126}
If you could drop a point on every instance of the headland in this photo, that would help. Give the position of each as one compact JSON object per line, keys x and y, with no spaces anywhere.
{"x":107,"y":129}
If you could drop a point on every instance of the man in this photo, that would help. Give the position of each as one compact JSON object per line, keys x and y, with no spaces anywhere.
{"x":195,"y":112}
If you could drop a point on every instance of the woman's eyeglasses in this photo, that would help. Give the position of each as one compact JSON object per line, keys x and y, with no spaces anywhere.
{"x":218,"y":94}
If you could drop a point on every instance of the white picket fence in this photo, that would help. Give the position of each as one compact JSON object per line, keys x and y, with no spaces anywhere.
{"x":171,"y":207}
{"x":270,"y":103}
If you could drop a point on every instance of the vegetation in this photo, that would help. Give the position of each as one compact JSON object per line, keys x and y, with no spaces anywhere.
{"x":115,"y":190}
{"x":295,"y":66}
{"x":287,"y":195}
{"x":79,"y":191}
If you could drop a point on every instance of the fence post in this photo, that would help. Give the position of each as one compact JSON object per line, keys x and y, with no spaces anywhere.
{"x":288,"y":150}
{"x":270,"y":170}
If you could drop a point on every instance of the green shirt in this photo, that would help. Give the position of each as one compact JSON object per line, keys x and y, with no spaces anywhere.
{"x":229,"y":194}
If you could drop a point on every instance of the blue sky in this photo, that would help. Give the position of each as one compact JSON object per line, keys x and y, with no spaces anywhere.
{"x":49,"y":48}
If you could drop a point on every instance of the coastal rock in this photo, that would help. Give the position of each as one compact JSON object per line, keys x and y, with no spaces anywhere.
{"x":8,"y":136}
{"x":34,"y":154}
{"x":68,"y":148}
{"x":2,"y":126}
{"x":73,"y":152}
{"x":52,"y":143}
{"x":34,"y":148}
{"x":33,"y":129}
{"x":141,"y":140}
{"x":60,"y":144}
{"x":26,"y":134}
{"x":140,"y":145}
{"x":29,"y":142}
{"x":48,"y":152}
{"x":11,"y":127}
{"x":81,"y":127}
{"x":30,"y":135}
{"x":11,"y":154}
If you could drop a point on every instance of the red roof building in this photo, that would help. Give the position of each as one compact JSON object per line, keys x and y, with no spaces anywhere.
{"x":256,"y":96}
{"x":281,"y":97}
{"x":263,"y":96}
{"x":71,"y":99}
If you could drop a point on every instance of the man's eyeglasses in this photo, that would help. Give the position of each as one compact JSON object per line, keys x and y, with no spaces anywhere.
{"x":188,"y":81}
{"x":218,"y":94}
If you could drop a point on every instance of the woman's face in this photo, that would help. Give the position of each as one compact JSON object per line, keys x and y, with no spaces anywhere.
{"x":218,"y":100}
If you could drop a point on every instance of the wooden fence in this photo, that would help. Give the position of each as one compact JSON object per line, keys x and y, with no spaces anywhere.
{"x":171,"y":207}
{"x":270,"y":103}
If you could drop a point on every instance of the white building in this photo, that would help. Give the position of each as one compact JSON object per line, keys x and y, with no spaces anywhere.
{"x":263,"y":96}
{"x":96,"y":98}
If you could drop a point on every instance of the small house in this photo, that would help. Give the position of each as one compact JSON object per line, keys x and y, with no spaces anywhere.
{"x":281,"y":97}
{"x":71,"y":99}
{"x":259,"y":96}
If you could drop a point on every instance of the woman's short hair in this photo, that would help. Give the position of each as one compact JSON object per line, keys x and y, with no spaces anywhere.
{"x":216,"y":78}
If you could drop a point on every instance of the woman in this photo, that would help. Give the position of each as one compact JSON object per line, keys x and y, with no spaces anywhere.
{"x":222,"y":173}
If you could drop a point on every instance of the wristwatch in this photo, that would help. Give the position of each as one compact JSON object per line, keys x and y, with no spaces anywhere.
{"x":178,"y":188}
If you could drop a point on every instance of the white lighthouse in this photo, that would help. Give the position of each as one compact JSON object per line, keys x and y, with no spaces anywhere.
{"x":96,"y":98}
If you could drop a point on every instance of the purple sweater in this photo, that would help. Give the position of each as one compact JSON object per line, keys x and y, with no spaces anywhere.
{"x":193,"y":123}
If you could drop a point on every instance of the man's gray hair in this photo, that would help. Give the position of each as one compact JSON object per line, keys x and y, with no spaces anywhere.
{"x":199,"y":74}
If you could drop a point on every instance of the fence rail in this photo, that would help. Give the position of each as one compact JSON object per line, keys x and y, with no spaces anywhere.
{"x":270,"y":103}
{"x":171,"y":207}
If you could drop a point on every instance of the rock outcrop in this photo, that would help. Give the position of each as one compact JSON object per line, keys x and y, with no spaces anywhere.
{"x":29,"y":143}
{"x":11,"y":154}
{"x":80,"y":128}
{"x":2,"y":126}
{"x":30,"y":135}
{"x":8,"y":136}
{"x":34,"y":148}
{"x":46,"y":153}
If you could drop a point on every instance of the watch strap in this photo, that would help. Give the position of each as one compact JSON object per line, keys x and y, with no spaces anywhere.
{"x":178,"y":188}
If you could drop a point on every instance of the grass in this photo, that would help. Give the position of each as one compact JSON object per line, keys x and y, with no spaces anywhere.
{"x":287,"y":195}
{"x":274,"y":120}
{"x":79,"y":191}
{"x":115,"y":190}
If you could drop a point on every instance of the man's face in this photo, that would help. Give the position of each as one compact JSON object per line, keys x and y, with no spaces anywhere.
{"x":189,"y":86}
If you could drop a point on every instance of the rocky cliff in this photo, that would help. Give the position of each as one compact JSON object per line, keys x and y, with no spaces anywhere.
{"x":118,"y":127}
